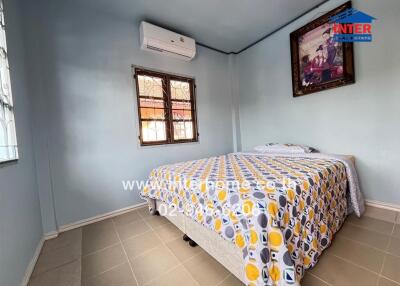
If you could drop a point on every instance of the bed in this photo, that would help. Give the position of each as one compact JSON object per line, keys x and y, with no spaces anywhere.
{"x":265,"y":217}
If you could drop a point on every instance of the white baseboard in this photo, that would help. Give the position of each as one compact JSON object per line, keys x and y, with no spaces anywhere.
{"x":97,"y":218}
{"x":51,"y":235}
{"x":32,"y":263}
{"x":382,"y":205}
{"x":54,"y":234}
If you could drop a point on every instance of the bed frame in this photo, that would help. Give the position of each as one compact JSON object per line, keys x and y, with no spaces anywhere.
{"x":220,"y":249}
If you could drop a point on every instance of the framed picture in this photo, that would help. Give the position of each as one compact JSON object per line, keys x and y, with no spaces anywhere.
{"x":318,"y":62}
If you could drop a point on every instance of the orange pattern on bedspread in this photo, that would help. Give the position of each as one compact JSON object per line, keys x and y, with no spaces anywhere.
{"x":281,"y":212}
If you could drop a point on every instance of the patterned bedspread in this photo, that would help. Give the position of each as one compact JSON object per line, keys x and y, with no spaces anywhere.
{"x":282,"y":212}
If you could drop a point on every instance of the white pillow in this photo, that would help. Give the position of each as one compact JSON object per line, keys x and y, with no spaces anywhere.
{"x":283,"y":148}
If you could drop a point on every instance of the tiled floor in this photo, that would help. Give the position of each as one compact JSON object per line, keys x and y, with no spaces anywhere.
{"x":139,"y":249}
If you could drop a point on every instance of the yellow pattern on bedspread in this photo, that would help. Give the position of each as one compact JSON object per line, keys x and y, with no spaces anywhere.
{"x":282,"y":212}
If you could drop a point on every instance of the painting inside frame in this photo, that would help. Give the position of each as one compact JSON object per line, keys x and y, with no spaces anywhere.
{"x":318,"y":62}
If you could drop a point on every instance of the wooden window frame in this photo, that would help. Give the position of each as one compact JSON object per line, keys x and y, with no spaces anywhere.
{"x":166,"y":79}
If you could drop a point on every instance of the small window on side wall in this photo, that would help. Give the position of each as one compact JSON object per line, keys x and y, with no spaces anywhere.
{"x":166,"y":108}
{"x":8,"y":138}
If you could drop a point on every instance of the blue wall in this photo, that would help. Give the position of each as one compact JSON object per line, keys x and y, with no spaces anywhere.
{"x":85,"y":120}
{"x":360,"y":119}
{"x":77,"y":69}
{"x":85,"y":108}
{"x":20,"y":220}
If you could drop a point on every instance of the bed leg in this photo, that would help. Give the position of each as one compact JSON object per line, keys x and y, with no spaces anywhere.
{"x":185,"y":237}
{"x":192,"y":243}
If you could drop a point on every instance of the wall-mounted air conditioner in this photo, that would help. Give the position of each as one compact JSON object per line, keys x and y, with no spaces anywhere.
{"x":162,"y":41}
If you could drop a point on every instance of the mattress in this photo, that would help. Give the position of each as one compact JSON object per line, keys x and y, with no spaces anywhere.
{"x":280,"y":211}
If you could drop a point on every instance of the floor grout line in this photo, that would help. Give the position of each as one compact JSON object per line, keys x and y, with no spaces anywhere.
{"x":226,"y":278}
{"x":391,"y":280}
{"x":362,"y":243}
{"x":104,"y":271}
{"x":387,"y":252}
{"x":142,"y":218}
{"x":394,"y":227}
{"x":354,"y":264}
{"x":370,"y":246}
{"x":372,"y":230}
{"x":168,"y":249}
{"x":315,"y":276}
{"x":381,"y":270}
{"x":169,"y":270}
{"x":136,"y":235}
{"x":100,"y":250}
{"x":126,"y":255}
{"x":339,"y":257}
{"x":223,"y":280}
{"x":56,"y":267}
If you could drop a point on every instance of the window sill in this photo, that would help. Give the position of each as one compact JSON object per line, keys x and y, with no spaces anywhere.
{"x":8,"y":163}
{"x":146,"y":146}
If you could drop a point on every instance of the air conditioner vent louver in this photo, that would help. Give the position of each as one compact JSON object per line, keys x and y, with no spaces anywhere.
{"x":155,"y":49}
{"x":162,"y":41}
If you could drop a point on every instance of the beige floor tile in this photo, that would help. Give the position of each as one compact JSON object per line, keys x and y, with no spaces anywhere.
{"x":98,"y":236}
{"x":153,"y":263}
{"x":206,"y":270}
{"x":144,"y":211}
{"x":168,"y":232}
{"x":391,"y":268}
{"x":140,"y":244}
{"x":52,"y":259}
{"x":385,"y":282}
{"x":394,"y":246}
{"x":372,"y":224}
{"x":358,"y":253}
{"x":64,"y":239}
{"x":127,"y":218}
{"x":374,"y":239}
{"x":132,"y":229}
{"x":156,"y":221}
{"x":381,"y":214}
{"x":338,"y":272}
{"x":98,"y":262}
{"x":182,"y":250}
{"x":398,"y":218}
{"x":310,"y":280}
{"x":231,"y":281}
{"x":66,"y":275}
{"x":177,"y":277}
{"x":396,"y":232}
{"x":118,"y":276}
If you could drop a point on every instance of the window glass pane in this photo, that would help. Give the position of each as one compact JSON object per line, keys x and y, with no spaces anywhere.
{"x":153,"y":103}
{"x":181,"y":105}
{"x":8,"y":139}
{"x":152,"y":108}
{"x":181,"y":114}
{"x":183,"y":130}
{"x":150,"y":86}
{"x":181,"y":110}
{"x":152,"y":113}
{"x":180,"y":90}
{"x":165,"y":101}
{"x":153,"y":131}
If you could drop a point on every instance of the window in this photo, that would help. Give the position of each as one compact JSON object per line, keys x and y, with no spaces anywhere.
{"x":8,"y":140}
{"x":166,"y":108}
